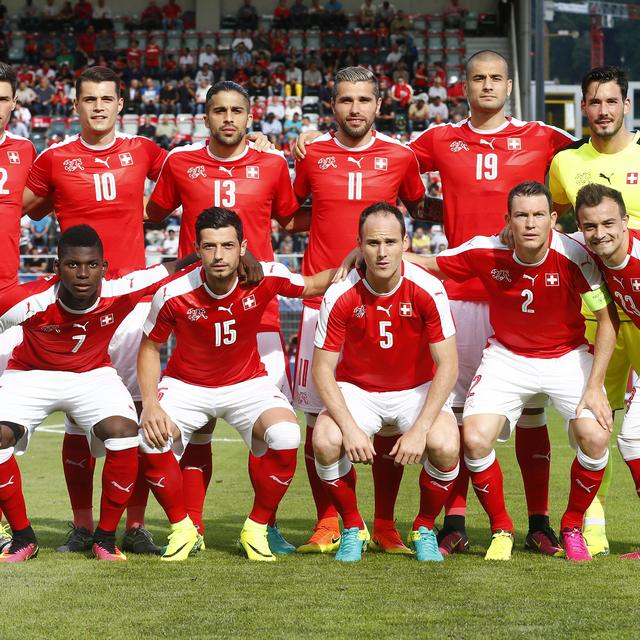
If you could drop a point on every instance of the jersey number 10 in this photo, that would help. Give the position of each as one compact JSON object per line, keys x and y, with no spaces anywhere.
{"x":105,"y":185}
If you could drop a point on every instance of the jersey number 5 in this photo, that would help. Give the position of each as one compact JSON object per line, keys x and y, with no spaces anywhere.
{"x":386,"y":337}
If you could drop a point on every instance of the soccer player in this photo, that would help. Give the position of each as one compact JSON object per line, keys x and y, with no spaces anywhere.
{"x":538,"y":346}
{"x":391,"y":324}
{"x":603,"y":219}
{"x":610,"y":156}
{"x":62,"y":365}
{"x":98,"y":176}
{"x":480,"y":160}
{"x":228,"y":171}
{"x":16,"y":156}
{"x":344,"y":173}
{"x":215,"y":371}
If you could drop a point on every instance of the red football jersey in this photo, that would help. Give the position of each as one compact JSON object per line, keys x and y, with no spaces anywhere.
{"x":16,"y":157}
{"x":57,"y":338}
{"x":534,"y":309}
{"x":102,"y":187}
{"x":478,"y":169}
{"x":216,"y":344}
{"x":394,"y":330}
{"x":624,"y":281}
{"x":255,"y":185}
{"x":342,"y":182}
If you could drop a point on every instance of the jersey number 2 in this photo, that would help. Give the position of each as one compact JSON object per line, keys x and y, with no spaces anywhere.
{"x":4,"y":176}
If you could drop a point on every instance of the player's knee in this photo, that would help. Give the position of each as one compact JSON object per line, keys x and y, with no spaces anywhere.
{"x":10,"y":433}
{"x":593,"y":442}
{"x":116,"y":427}
{"x":476,"y":442}
{"x":327,"y":440}
{"x":629,"y":447}
{"x":283,"y":435}
{"x":444,"y":447}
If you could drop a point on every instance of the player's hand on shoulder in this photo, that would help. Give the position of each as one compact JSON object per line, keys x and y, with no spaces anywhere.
{"x":249,"y":270}
{"x":357,"y":445}
{"x":596,"y":400}
{"x":410,"y":447}
{"x":260,"y":141}
{"x":300,"y":150}
{"x":353,"y":260}
{"x":157,"y":426}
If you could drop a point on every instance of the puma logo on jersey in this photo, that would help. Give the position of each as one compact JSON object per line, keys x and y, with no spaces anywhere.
{"x":156,"y":484}
{"x":227,"y":309}
{"x":228,"y":171}
{"x":8,"y":483}
{"x":532,"y":278}
{"x":81,"y":326}
{"x":387,"y":310}
{"x":285,"y":483}
{"x":73,"y":463}
{"x":489,"y":143}
{"x":620,"y":281}
{"x":119,"y":486}
{"x":104,"y":162}
{"x":607,"y":178}
{"x":350,"y":159}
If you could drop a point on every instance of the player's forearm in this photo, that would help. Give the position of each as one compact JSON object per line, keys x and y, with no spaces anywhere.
{"x":317,"y":284}
{"x":430,"y":263}
{"x":148,"y":371}
{"x":603,"y":345}
{"x":299,"y":222}
{"x":176,"y":265}
{"x":156,"y":213}
{"x":36,"y":207}
{"x":439,"y":391}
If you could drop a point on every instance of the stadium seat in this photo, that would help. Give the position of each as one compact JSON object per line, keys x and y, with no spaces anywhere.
{"x":119,"y":23}
{"x":453,"y":56}
{"x":366,"y":57}
{"x":454,"y":71}
{"x":434,"y":40}
{"x":330,"y":40}
{"x":488,"y":24}
{"x":199,"y":128}
{"x":159,"y":36}
{"x":453,"y":39}
{"x":185,"y":124}
{"x":16,"y":54}
{"x":470,"y":23}
{"x":348,"y":40}
{"x":40,"y":123}
{"x":313,"y":40}
{"x":192,"y":39}
{"x":435,"y":55}
{"x":266,"y":22}
{"x":436,"y":22}
{"x":225,"y":38}
{"x":209,"y":37}
{"x":419,"y":40}
{"x":199,"y":138}
{"x":122,"y":41}
{"x":368,"y":39}
{"x":296,"y":39}
{"x":39,"y":142}
{"x":174,"y":40}
{"x":130,"y":122}
{"x":228,"y":22}
{"x":419,"y":22}
{"x":141,"y":37}
{"x":58,"y":127}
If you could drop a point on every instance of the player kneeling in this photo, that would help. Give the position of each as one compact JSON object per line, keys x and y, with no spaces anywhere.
{"x":391,"y":322}
{"x":215,"y":371}
{"x":63,"y":365}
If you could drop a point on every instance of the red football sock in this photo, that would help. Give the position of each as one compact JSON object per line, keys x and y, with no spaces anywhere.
{"x":634,"y":467}
{"x":322,"y":498}
{"x":433,"y":494}
{"x":584,"y":487}
{"x":271,"y":480}
{"x":343,"y":494}
{"x":138,"y":502}
{"x":489,"y":488}
{"x":254,"y":475}
{"x":197,"y":467}
{"x":533,"y":451}
{"x":78,"y":465}
{"x":118,"y":480}
{"x":456,"y":503}
{"x":162,"y":473}
{"x":387,"y":476}
{"x":11,"y":498}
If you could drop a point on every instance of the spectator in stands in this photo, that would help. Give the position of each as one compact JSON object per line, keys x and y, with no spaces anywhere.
{"x":294,"y":80}
{"x":25,"y":94}
{"x":401,"y":71}
{"x":186,"y":62}
{"x":23,"y":114}
{"x":171,"y":13}
{"x":66,"y":16}
{"x":201,"y":95}
{"x":171,"y":242}
{"x":36,"y":263}
{"x":168,"y":98}
{"x":312,"y":80}
{"x":367,"y":16}
{"x":458,"y":109}
{"x":102,"y":16}
{"x":152,"y":55}
{"x":222,"y":71}
{"x":401,"y":94}
{"x":439,"y":241}
{"x":293,"y":126}
{"x":147,"y":128}
{"x":150,"y":97}
{"x":328,"y":124}
{"x":39,"y":232}
{"x":437,"y":89}
{"x":134,"y":53}
{"x":400,"y":22}
{"x":271,"y":127}
{"x":307,"y":125}
{"x":421,"y":242}
{"x":324,"y":97}
{"x":421,"y":77}
{"x":281,"y":15}
{"x":60,"y":105}
{"x":259,"y":82}
{"x":438,"y":108}
{"x":105,"y":44}
{"x":205,"y":74}
{"x":64,"y":58}
{"x":386,"y":117}
{"x":395,"y":55}
{"x":166,"y":132}
{"x":241,"y":57}
{"x":293,"y":106}
{"x":48,"y":16}
{"x":207,"y":56}
{"x":335,"y":17}
{"x":132,"y":97}
{"x":258,"y":111}
{"x":385,"y":14}
{"x":86,"y":43}
{"x":299,"y":15}
{"x":151,"y":17}
{"x":278,"y":80}
{"x":418,"y":114}
{"x":29,"y":17}
{"x":44,"y":95}
{"x":279,"y":46}
{"x":286,"y":258}
{"x":317,"y":15}
{"x":247,"y":16}
{"x":18,"y":128}
{"x":186,"y":96}
{"x":276,"y":106}
{"x":454,"y":14}
{"x":456,"y":88}
{"x":83,"y":14}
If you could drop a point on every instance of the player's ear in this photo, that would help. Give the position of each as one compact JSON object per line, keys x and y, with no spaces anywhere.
{"x":378,"y":105}
{"x":626,"y":105}
{"x":405,"y":242}
{"x":249,"y":121}
{"x":509,"y":86}
{"x":120,"y":104}
{"x":243,"y":247}
{"x":105,"y":267}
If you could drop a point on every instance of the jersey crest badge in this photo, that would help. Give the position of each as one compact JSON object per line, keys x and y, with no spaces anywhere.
{"x":249,"y":302}
{"x":635,"y":284}
{"x":381,"y":164}
{"x":552,"y":279}
{"x":125,"y":159}
{"x":583,"y":178}
{"x":73,"y":164}
{"x":514,"y":144}
{"x":406,"y":310}
{"x":14,"y":157}
{"x":327,"y":163}
{"x":106,"y":320}
{"x":458,"y":145}
{"x":501,"y":275}
{"x":632,"y":177}
{"x":253,"y":172}
{"x":196,"y":313}
{"x":196,"y":172}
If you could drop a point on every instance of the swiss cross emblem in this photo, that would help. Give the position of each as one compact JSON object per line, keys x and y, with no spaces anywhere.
{"x":249,"y":302}
{"x":635,"y":284}
{"x":253,"y":172}
{"x":382,"y":164}
{"x":14,"y":157}
{"x":106,"y":320}
{"x":406,"y":309}
{"x":552,"y":279}
{"x":125,"y":159}
{"x":632,"y":178}
{"x":514,"y":144}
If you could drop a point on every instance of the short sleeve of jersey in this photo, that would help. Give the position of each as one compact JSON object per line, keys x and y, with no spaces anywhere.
{"x":422,"y":147}
{"x":559,"y":139}
{"x":140,"y":283}
{"x":556,"y":187}
{"x":39,"y":179}
{"x":301,"y":183}
{"x":160,"y":321}
{"x":592,"y":275}
{"x":412,"y":187}
{"x":456,"y":263}
{"x":285,"y":203}
{"x":287,"y":284}
{"x":437,"y":311}
{"x":157,"y":156}
{"x":332,"y":324}
{"x":165,"y":194}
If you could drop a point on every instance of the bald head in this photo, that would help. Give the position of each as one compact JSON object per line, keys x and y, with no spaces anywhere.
{"x":486,"y":55}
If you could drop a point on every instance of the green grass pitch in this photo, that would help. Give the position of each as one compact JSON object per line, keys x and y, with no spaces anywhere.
{"x":221,"y":595}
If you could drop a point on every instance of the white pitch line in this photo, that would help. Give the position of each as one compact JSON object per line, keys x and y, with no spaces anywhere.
{"x":59,"y":429}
